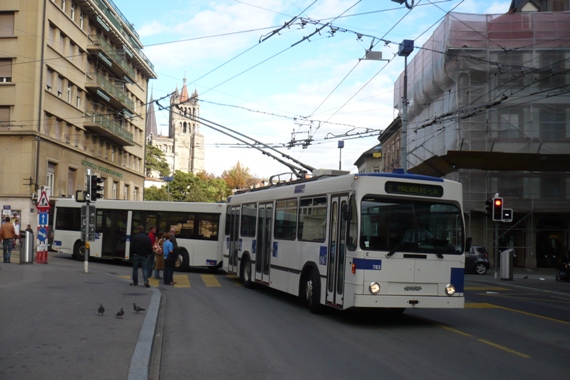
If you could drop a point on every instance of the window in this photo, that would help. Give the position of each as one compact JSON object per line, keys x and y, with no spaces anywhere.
{"x":71,"y":177}
{"x":81,"y":20}
{"x":59,"y":86}
{"x":6,"y":24}
{"x":553,"y":122}
{"x":69,"y":92}
{"x":4,"y":115}
{"x":114,"y":190}
{"x":126,"y":192}
{"x":248,"y":219}
{"x":312,"y":219}
{"x":49,"y":80}
{"x":50,"y":178}
{"x":508,"y":125}
{"x":286,"y":219}
{"x":72,"y":8}
{"x":5,"y":70}
{"x":78,"y":101}
{"x":552,"y":188}
{"x":63,"y":5}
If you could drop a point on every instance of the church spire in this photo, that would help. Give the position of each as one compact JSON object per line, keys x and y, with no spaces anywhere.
{"x":151,"y":119}
{"x":184,"y":92}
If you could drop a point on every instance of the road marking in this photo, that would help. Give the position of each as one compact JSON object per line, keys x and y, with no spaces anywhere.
{"x":234,"y":278}
{"x":480,"y":305}
{"x":479,"y":288}
{"x":181,"y":280}
{"x":498,"y":346}
{"x":210,"y":280}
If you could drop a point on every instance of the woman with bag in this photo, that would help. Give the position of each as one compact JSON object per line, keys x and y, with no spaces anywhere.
{"x":159,"y":258}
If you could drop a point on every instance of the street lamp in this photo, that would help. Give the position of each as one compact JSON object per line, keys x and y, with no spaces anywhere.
{"x":406,"y":48}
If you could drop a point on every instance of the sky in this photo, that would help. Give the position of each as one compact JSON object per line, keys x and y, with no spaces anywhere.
{"x":282,"y":72}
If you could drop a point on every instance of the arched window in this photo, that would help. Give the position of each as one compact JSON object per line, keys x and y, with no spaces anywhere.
{"x":184,"y":128}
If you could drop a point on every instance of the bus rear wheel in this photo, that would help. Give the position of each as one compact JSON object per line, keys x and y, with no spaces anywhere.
{"x":182,"y":263}
{"x":79,"y":251}
{"x":312,"y":289}
{"x":246,"y":273}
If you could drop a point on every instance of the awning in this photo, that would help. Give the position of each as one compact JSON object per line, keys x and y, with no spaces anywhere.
{"x":438,"y":166}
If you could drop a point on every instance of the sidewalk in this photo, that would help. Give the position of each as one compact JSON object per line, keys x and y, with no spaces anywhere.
{"x":542,"y":279}
{"x":51,"y":328}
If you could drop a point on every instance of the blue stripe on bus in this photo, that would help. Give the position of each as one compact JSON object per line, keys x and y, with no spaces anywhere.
{"x":211,"y":262}
{"x":458,"y":279}
{"x":367,"y":264}
{"x":402,"y":176}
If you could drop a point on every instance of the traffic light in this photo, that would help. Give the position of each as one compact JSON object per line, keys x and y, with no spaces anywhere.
{"x":489,"y":207}
{"x":96,"y":188}
{"x":498,"y":209}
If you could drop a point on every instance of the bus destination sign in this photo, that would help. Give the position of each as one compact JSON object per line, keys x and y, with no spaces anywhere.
{"x":434,"y":191}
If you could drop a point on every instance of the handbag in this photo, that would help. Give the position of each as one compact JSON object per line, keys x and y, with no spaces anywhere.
{"x":157,"y":247}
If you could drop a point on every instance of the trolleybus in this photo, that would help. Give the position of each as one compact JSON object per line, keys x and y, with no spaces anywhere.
{"x":197,"y":229}
{"x":372,"y":240}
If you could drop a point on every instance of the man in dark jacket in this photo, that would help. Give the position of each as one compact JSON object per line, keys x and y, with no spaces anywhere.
{"x":141,"y":249}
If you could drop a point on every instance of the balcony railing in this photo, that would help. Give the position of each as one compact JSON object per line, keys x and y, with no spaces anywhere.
{"x":101,"y":81}
{"x":110,"y":125}
{"x":95,"y":40}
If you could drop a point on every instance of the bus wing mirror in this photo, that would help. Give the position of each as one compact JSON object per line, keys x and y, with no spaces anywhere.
{"x":346,"y":212}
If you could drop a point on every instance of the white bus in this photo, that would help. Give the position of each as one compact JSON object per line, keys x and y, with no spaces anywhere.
{"x":373,"y":240}
{"x":197,"y":229}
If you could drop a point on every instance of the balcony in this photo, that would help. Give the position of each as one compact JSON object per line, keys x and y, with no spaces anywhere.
{"x":117,"y":63}
{"x":109,"y":129}
{"x":123,"y":32}
{"x":105,"y":89}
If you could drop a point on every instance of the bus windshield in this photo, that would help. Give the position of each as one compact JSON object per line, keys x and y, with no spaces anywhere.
{"x":401,"y":225}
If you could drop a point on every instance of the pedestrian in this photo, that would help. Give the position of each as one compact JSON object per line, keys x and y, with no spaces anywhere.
{"x":29,"y":229}
{"x":150,"y":263}
{"x":17,"y":229}
{"x":141,"y":249}
{"x":7,"y":236}
{"x":167,"y":250}
{"x":158,"y":256}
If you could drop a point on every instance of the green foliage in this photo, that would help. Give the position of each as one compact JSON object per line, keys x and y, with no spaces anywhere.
{"x":238,"y":177}
{"x":187,"y":187}
{"x":154,"y":193}
{"x":155,"y":161}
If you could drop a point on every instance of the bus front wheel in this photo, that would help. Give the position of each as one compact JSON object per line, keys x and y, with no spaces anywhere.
{"x":79,"y":251}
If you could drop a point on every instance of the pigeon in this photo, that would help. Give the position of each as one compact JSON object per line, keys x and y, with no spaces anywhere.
{"x":137,"y":308}
{"x":120,"y":313}
{"x":101,"y":310}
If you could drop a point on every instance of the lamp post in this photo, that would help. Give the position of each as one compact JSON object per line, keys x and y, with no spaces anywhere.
{"x":340,"y":146}
{"x":405,"y":49}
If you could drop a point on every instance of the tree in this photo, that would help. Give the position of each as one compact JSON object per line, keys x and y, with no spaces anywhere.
{"x":155,"y":161}
{"x":238,"y":177}
{"x":187,"y":187}
{"x":154,"y":193}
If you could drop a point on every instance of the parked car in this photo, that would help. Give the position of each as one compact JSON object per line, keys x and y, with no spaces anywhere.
{"x":477,"y":260}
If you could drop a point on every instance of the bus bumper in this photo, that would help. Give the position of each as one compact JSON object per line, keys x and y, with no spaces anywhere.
{"x":440,"y":302}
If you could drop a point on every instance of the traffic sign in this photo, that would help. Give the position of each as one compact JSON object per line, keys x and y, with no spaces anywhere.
{"x":43,"y":202}
{"x":42,"y":234}
{"x":43,"y":218}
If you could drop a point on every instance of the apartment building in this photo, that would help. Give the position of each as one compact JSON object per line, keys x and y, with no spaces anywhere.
{"x":73,"y":94}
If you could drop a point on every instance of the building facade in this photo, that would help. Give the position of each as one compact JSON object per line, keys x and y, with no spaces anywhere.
{"x":489,"y":106}
{"x":73,"y":90}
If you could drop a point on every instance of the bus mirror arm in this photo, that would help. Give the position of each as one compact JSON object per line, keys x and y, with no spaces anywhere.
{"x":346,"y":213}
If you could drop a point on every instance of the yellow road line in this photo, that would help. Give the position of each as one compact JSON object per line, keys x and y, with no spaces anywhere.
{"x":480,"y":305}
{"x":181,"y":280}
{"x":210,"y":280}
{"x":498,"y":346}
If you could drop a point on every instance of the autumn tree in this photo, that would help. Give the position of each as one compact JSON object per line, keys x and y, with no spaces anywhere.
{"x":239,"y":177}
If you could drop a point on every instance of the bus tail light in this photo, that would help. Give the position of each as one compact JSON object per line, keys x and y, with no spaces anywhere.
{"x":353,"y":268}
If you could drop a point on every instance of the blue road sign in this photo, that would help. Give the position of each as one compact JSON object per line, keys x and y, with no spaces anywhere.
{"x":42,"y":234}
{"x":43,"y":218}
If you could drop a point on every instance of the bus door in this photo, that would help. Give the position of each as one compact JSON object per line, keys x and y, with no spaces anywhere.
{"x":264,"y":227}
{"x":336,"y":251}
{"x":112,"y":229}
{"x":233,"y":220}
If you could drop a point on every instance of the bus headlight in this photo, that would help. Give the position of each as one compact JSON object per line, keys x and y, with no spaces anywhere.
{"x":450,"y":289}
{"x":374,"y":288}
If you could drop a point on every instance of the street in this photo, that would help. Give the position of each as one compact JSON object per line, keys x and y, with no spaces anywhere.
{"x":211,"y":327}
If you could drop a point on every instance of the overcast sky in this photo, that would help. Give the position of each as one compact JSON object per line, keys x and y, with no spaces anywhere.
{"x":278,"y":70}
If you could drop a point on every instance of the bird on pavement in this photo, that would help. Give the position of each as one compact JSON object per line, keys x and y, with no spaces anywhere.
{"x":137,"y":308}
{"x":120,"y":313}
{"x":101,"y":310}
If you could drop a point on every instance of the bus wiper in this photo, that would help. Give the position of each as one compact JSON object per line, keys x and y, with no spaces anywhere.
{"x":393,"y":250}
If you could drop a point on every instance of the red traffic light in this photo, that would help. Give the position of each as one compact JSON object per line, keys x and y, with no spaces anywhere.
{"x":498,"y":202}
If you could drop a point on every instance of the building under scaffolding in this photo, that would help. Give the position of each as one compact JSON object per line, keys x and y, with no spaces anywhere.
{"x":489,"y":106}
